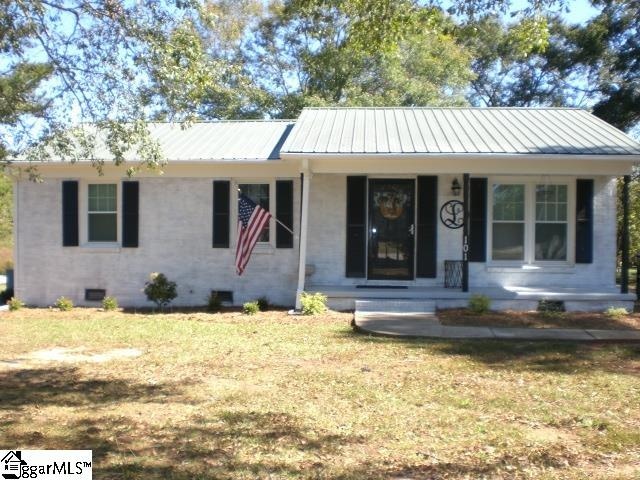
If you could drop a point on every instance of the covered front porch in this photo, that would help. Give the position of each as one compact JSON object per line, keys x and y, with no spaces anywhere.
{"x":341,"y":297}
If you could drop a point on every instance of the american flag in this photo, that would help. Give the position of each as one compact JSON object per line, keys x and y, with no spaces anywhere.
{"x":251,"y":221}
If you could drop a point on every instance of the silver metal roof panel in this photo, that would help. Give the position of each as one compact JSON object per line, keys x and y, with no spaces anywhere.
{"x":425,"y":130}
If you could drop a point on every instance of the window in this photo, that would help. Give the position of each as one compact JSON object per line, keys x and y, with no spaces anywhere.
{"x":530,"y":222}
{"x":508,"y":222}
{"x":551,"y":222}
{"x":103,"y":215}
{"x":259,"y":194}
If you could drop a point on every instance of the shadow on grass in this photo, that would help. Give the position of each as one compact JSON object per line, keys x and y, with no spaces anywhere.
{"x":543,"y":356}
{"x":230,"y":444}
{"x":64,"y":387}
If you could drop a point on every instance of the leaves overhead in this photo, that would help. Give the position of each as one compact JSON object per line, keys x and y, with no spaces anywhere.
{"x":120,"y":64}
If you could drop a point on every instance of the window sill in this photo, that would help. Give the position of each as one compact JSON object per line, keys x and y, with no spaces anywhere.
{"x":264,"y":249}
{"x":530,"y":268}
{"x":102,"y":247}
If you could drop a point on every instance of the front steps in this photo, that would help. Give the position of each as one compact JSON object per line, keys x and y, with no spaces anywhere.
{"x":382,"y":312}
{"x":396,"y":306}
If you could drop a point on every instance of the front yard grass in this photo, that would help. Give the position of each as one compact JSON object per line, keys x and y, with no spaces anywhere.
{"x":273,"y":396}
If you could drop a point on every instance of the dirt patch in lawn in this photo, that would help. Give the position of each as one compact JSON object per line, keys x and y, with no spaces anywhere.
{"x":68,"y":355}
{"x":593,"y":320}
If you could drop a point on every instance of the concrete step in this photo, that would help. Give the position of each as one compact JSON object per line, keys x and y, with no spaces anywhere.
{"x":394,"y":306}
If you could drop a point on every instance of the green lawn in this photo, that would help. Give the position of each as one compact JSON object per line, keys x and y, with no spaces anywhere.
{"x":273,"y":396}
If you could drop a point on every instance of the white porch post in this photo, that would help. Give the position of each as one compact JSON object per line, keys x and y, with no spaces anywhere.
{"x":304,"y":227}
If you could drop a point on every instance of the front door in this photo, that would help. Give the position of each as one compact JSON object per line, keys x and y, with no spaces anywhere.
{"x":391,"y":229}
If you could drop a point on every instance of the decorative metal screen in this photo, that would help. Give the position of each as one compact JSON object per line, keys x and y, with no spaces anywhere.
{"x":453,"y":274}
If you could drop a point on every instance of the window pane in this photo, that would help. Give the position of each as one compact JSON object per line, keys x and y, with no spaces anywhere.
{"x":103,"y":227}
{"x":102,"y":197}
{"x":551,"y":241}
{"x":259,"y":194}
{"x":551,"y":203}
{"x":508,"y":241}
{"x":508,"y":202}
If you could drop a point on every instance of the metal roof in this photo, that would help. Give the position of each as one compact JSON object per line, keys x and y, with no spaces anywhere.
{"x":216,"y":141}
{"x":491,"y":130}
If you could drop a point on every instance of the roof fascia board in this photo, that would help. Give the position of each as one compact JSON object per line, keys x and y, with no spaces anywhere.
{"x":462,"y":156}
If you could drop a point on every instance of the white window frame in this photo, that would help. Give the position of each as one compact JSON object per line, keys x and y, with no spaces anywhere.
{"x":260,"y":246}
{"x":84,"y":209}
{"x":530,"y":183}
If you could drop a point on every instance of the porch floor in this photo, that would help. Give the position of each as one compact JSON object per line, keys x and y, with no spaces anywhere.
{"x":343,"y":297}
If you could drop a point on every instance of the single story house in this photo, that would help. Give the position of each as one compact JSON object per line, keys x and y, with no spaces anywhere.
{"x":426,"y":203}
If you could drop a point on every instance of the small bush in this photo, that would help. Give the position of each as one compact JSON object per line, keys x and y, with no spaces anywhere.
{"x":616,"y":313}
{"x":15,"y":304}
{"x":109,"y":303}
{"x":479,"y":304}
{"x":313,"y":304}
{"x":263,"y":304}
{"x":160,"y":290}
{"x":64,"y":304}
{"x":250,"y":308}
{"x":214,"y":304}
{"x":551,"y":308}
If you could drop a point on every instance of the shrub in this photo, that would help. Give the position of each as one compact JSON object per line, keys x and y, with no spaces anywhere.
{"x":479,"y":304}
{"x":160,"y":290}
{"x":250,"y":308}
{"x":313,"y":304}
{"x":64,"y":304}
{"x":551,"y":308}
{"x":15,"y":304}
{"x":214,"y":304}
{"x":616,"y":313}
{"x":263,"y":304}
{"x":109,"y":303}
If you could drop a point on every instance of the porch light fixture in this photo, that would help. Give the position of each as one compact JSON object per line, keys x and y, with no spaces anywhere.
{"x":455,"y":187}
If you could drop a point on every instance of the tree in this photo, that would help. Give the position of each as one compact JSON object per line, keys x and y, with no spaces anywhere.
{"x":68,"y":63}
{"x":608,"y":47}
{"x":516,"y":73}
{"x":369,"y":52}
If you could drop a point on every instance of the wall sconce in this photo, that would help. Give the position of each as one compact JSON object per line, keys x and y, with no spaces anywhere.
{"x":455,"y":187}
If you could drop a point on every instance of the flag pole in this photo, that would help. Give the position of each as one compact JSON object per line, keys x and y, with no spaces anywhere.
{"x":277,"y":221}
{"x":283,"y":226}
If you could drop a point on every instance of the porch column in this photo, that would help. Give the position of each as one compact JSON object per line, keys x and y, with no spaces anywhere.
{"x":624,"y":278}
{"x":304,"y":227}
{"x":465,"y":232}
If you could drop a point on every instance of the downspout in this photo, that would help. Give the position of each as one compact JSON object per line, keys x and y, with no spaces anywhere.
{"x":624,"y":277}
{"x":304,"y":227}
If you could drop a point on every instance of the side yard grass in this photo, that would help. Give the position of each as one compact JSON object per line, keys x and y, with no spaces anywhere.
{"x":274,"y":396}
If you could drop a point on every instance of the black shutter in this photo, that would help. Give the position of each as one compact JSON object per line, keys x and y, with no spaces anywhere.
{"x":356,"y":226}
{"x":130,"y":213}
{"x":70,"y":213}
{"x":427,"y":254}
{"x":221,"y":217}
{"x":478,"y":220}
{"x":284,"y":213}
{"x":584,"y":221}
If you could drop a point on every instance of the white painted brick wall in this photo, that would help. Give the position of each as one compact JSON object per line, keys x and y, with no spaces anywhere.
{"x":327,"y":242}
{"x":175,"y":238}
{"x":601,"y":273}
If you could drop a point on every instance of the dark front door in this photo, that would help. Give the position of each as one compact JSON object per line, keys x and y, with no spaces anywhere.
{"x":391,"y":229}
